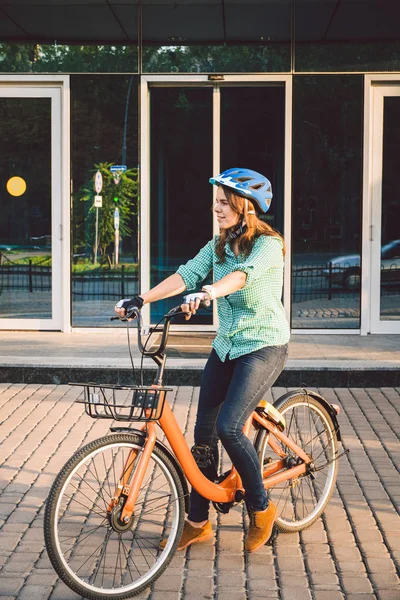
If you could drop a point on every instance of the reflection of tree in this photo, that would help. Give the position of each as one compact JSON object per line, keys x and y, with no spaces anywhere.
{"x":223,"y":58}
{"x":122,"y":196}
{"x":98,"y":104}
{"x":67,"y":58}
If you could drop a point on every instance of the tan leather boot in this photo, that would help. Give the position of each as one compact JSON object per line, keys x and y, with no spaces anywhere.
{"x":192,"y":535}
{"x":261,"y":524}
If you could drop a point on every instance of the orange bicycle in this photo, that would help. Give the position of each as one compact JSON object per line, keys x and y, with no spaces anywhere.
{"x":118,"y":496}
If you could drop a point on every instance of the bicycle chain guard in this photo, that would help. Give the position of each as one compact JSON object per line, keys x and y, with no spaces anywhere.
{"x":225,"y":507}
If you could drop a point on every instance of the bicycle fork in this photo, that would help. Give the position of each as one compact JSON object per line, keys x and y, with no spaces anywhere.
{"x":132,"y":490}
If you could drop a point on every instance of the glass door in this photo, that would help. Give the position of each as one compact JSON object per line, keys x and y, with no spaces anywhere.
{"x":181,"y":142}
{"x":30,"y":208}
{"x":385,"y":231}
{"x":196,"y":130}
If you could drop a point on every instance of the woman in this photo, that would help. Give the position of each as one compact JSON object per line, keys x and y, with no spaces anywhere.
{"x":250,"y":349}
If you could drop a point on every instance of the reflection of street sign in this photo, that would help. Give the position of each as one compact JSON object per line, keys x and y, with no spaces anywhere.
{"x":116,"y":219}
{"x":98,"y":182}
{"x":116,"y":171}
{"x":98,"y":201}
{"x":115,"y":168}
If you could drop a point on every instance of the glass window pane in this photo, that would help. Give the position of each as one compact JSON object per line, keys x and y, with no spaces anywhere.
{"x":181,"y":195}
{"x":25,"y":208}
{"x":270,"y":58}
{"x":326,"y":212}
{"x":104,"y":133}
{"x":253,"y":136}
{"x":347,"y":36}
{"x":390,"y":242}
{"x":59,"y":58}
{"x":181,"y":37}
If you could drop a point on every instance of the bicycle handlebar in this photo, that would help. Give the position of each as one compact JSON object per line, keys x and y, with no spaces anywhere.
{"x":136,"y":314}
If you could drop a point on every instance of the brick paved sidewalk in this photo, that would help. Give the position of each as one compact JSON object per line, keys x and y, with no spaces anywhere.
{"x":352,"y":552}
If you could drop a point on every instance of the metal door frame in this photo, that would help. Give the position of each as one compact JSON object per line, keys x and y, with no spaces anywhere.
{"x":148,"y":81}
{"x":57,"y":89}
{"x":376,"y":87}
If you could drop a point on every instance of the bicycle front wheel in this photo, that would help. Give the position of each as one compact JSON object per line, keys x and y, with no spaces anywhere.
{"x":93,"y":552}
{"x":302,"y":500}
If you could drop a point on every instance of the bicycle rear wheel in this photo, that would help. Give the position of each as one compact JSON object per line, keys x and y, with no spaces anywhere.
{"x":93,"y":552}
{"x":302,"y":500}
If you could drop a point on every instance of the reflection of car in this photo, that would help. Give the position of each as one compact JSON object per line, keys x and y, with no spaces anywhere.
{"x":346,"y":269}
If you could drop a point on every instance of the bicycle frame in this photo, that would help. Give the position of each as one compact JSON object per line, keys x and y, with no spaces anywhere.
{"x":224,"y":492}
{"x":217,"y":492}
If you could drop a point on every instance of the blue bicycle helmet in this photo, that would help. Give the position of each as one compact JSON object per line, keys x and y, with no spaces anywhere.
{"x":249,"y":184}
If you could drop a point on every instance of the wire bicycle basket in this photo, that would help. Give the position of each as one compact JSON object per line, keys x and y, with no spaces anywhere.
{"x":123,"y":403}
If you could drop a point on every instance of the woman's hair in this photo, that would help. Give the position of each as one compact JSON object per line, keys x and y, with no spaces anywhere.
{"x":255,"y":227}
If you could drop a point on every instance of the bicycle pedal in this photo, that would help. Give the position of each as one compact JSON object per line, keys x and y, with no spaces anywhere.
{"x":273,"y":536}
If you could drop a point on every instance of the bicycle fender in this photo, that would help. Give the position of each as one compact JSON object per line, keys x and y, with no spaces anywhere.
{"x":168,"y":452}
{"x":328,"y":407}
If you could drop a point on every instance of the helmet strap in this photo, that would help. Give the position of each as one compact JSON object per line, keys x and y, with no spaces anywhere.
{"x":249,"y":212}
{"x":235,"y":233}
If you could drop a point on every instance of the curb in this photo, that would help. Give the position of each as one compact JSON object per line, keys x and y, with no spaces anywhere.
{"x":191,"y":376}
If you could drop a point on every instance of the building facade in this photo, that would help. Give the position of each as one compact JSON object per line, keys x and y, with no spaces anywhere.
{"x":155,"y":97}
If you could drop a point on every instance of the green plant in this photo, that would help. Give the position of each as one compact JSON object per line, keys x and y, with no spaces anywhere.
{"x":122,"y":196}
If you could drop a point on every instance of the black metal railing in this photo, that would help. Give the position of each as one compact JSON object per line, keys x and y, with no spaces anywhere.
{"x":103,"y":284}
{"x":309,"y":282}
{"x":28,"y":277}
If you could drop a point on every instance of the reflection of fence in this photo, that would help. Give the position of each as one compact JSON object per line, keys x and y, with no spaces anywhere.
{"x":96,"y":284}
{"x":29,"y":277}
{"x":312,"y":282}
{"x":309,"y":282}
{"x":99,"y":284}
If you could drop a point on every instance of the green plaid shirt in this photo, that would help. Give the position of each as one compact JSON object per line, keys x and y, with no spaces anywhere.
{"x":252,"y":317}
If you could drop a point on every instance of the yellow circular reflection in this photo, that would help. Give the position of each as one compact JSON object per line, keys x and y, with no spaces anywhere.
{"x":16,"y":186}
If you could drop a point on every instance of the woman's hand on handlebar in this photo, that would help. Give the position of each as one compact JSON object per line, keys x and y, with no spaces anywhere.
{"x":191,"y":303}
{"x":124,"y":306}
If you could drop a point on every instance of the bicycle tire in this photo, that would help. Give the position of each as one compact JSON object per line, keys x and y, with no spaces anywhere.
{"x":299,"y":508}
{"x":81,"y":536}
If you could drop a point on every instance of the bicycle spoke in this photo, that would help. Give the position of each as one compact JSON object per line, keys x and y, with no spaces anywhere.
{"x":99,"y":555}
{"x":84,"y":506}
{"x":301,"y":499}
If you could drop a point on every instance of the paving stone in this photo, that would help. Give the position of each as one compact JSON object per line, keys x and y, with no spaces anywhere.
{"x":62,"y":592}
{"x":386,"y":580}
{"x":37,"y":577}
{"x":10,"y":585}
{"x":227,"y":579}
{"x":200,"y":586}
{"x":295,"y":594}
{"x":350,"y":566}
{"x":362,"y":597}
{"x":326,"y":587}
{"x":347,"y":553}
{"x":35,"y":592}
{"x":356,"y":585}
{"x":378,"y":565}
{"x":230,"y":561}
{"x":323,"y":564}
{"x":292,"y":579}
{"x":167,"y":583}
{"x":329,"y":595}
{"x":290,"y":563}
{"x":388,"y":595}
{"x":238,"y":595}
{"x":316,"y":549}
{"x":324,"y":578}
{"x":369,"y":535}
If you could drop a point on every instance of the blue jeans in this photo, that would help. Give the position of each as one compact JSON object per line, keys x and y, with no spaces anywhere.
{"x":230,"y":391}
